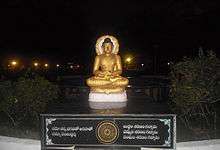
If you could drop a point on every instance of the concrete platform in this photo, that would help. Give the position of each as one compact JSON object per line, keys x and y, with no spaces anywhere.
{"x":10,"y":143}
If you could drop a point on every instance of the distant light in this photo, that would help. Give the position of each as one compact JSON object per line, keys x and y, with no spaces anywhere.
{"x":128,"y":59}
{"x":46,"y":65}
{"x":168,"y":63}
{"x":58,"y":65}
{"x":77,"y":66}
{"x":142,"y":65}
{"x":14,"y":63}
{"x":71,"y":66}
{"x":36,"y":64}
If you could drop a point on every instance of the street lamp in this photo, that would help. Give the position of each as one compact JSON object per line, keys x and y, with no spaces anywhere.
{"x":46,"y":65}
{"x":128,"y":60}
{"x":14,"y":63}
{"x":36,"y":64}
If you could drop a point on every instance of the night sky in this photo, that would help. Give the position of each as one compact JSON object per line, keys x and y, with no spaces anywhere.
{"x":66,"y":30}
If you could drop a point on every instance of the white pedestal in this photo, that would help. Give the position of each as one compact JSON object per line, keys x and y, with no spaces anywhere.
{"x":107,"y":105}
{"x":103,"y":97}
{"x":107,"y":101}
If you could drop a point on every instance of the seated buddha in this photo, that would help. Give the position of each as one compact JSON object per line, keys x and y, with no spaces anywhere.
{"x":107,"y":68}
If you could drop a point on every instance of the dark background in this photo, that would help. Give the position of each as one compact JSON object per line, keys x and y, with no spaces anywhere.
{"x":66,"y":30}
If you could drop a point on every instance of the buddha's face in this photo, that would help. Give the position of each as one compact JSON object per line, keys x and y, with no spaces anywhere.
{"x":107,"y":47}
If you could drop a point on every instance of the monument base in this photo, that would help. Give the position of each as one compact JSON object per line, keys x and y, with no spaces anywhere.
{"x":103,"y":97}
{"x":113,"y":106}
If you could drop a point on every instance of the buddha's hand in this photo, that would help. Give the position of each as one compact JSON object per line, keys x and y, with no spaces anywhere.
{"x":99,"y":74}
{"x":114,"y":74}
{"x":107,"y":74}
{"x":103,"y":74}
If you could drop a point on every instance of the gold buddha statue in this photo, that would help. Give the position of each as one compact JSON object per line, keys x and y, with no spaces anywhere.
{"x":107,"y":68}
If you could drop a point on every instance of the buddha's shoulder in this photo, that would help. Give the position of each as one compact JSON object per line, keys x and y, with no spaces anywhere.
{"x":117,"y":56}
{"x":102,"y":56}
{"x":98,"y":56}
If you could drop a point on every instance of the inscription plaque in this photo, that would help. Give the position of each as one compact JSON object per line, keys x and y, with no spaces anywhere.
{"x":150,"y":131}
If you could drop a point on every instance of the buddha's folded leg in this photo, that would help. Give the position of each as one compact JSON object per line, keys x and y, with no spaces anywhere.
{"x":121,"y":82}
{"x":97,"y":82}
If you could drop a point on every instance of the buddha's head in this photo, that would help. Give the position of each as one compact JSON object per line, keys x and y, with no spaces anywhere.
{"x":107,"y":46}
